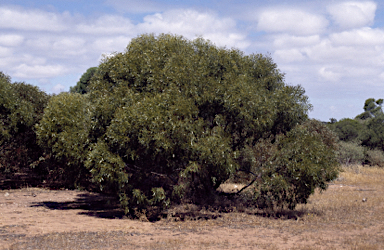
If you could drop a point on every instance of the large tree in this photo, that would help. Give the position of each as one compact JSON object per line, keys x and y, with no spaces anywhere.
{"x":170,"y":120}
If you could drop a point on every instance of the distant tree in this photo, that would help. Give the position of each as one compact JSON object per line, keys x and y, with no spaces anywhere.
{"x":332,"y":120}
{"x":82,"y":85}
{"x":373,"y":136}
{"x":372,"y":108}
{"x":373,"y":119}
{"x":348,"y":129}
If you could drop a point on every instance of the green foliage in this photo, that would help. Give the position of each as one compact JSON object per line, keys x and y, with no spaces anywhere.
{"x":82,"y":85}
{"x":373,"y":119}
{"x":63,"y":133}
{"x":348,"y":130}
{"x":300,"y":161}
{"x":174,"y":115}
{"x":170,"y":119}
{"x":373,"y":135}
{"x":21,"y":107}
{"x":375,"y":157}
{"x":368,"y":127}
{"x":350,"y":153}
{"x":372,"y":108}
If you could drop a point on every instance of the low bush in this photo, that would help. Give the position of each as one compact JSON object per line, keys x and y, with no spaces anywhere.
{"x":375,"y":157}
{"x":350,"y":153}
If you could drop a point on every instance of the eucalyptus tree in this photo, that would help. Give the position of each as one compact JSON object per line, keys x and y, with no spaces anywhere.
{"x":171,"y":119}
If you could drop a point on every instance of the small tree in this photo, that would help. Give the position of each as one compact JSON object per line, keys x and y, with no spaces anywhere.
{"x":63,"y":133}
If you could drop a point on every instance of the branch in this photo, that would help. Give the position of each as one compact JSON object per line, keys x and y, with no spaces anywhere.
{"x":247,"y":171}
{"x":164,"y":176}
{"x":154,"y":173}
{"x":256,"y":178}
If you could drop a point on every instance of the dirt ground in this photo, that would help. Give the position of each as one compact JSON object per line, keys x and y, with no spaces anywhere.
{"x":33,"y":218}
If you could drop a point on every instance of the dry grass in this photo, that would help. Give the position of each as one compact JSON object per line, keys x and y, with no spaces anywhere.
{"x":348,"y":215}
{"x":337,"y":218}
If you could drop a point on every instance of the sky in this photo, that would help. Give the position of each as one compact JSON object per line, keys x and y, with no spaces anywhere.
{"x":333,"y":49}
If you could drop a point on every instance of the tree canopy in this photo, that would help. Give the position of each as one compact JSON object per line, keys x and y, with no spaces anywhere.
{"x":171,"y":119}
{"x":21,"y":107}
{"x":82,"y":85}
{"x":372,"y":109}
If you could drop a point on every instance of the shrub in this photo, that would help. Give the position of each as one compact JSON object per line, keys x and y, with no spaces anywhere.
{"x":375,"y":157}
{"x":350,"y":153}
{"x":295,"y":165}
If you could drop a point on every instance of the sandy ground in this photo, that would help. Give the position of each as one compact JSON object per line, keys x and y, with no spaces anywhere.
{"x":60,"y":219}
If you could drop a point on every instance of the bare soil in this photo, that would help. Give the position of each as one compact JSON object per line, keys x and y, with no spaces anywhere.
{"x":37,"y":218}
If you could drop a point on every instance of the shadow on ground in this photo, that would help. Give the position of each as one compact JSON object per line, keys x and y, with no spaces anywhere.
{"x":97,"y":205}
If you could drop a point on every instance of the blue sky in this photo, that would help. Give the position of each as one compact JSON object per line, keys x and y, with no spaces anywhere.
{"x":334,"y":49}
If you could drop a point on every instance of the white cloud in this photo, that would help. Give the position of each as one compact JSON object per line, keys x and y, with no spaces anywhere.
{"x":289,"y":55}
{"x":325,"y":51}
{"x":110,"y":44}
{"x":289,"y":41}
{"x":39,"y":71}
{"x":349,"y":15}
{"x":11,"y":40}
{"x":69,"y":46}
{"x":191,"y":23}
{"x":133,"y":6}
{"x":53,"y":46}
{"x":362,"y":37}
{"x":31,"y":20}
{"x":292,"y":21}
{"x":329,"y":74}
{"x":5,"y":52}
{"x":57,"y":88}
{"x":187,"y":22}
{"x":106,"y":25}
